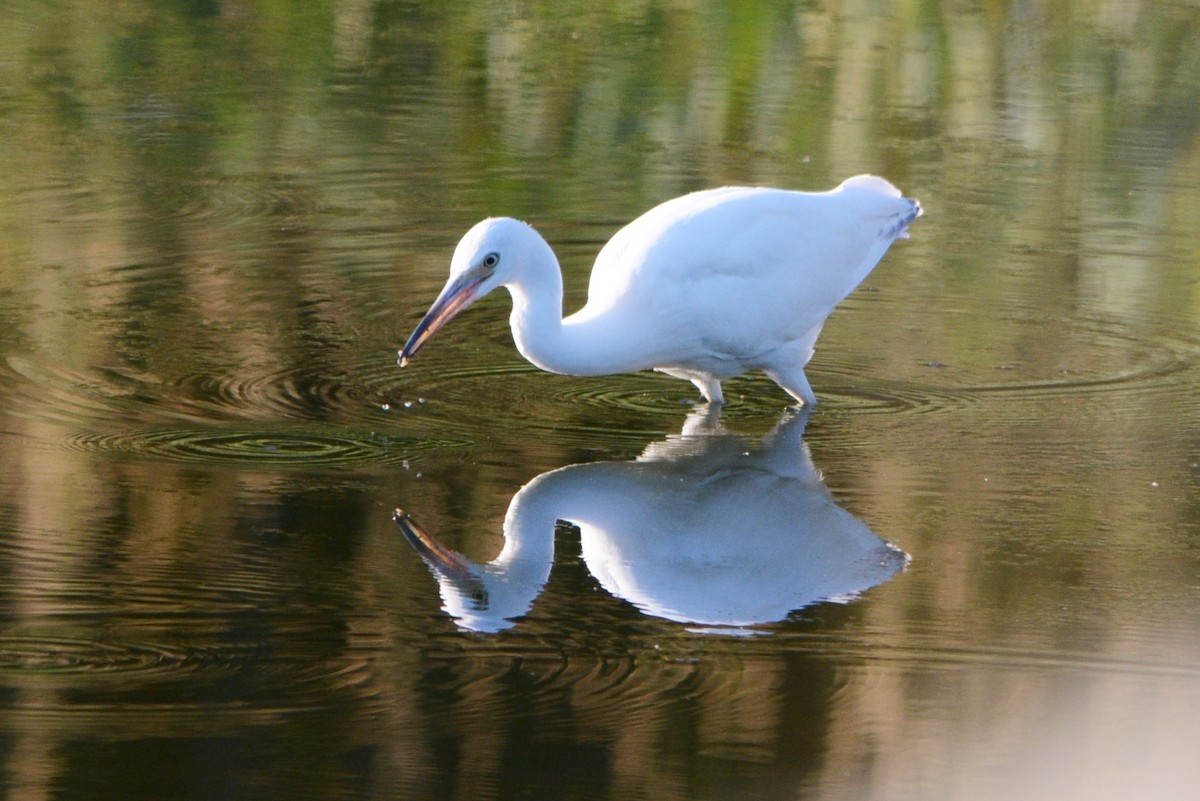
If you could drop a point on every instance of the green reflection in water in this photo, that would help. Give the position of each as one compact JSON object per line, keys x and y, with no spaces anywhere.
{"x":222,"y":218}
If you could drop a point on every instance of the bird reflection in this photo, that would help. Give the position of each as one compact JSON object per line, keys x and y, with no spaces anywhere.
{"x":704,"y":528}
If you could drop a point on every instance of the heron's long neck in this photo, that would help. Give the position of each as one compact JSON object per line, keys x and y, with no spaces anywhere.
{"x":528,"y":530}
{"x":576,"y":348}
{"x":533,"y":513}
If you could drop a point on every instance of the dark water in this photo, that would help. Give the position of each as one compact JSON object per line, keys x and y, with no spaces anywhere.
{"x":972,"y":573}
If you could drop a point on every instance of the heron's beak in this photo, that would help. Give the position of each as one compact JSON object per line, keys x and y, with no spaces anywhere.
{"x":445,"y":560}
{"x":457,"y":296}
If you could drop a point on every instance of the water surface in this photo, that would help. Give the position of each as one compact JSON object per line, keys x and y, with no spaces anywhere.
{"x":219,"y":221}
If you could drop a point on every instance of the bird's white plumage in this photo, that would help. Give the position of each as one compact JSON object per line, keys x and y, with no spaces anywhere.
{"x":704,"y":528}
{"x":707,"y":286}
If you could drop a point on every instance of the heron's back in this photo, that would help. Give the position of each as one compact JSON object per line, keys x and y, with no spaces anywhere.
{"x":741,"y":270}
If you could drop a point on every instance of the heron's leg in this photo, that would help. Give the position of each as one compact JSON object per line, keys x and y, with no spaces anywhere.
{"x":705,"y":418}
{"x":709,"y":387}
{"x":795,"y":383}
{"x":787,"y":368}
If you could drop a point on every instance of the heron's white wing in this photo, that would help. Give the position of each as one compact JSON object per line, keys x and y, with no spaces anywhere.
{"x":742,"y":269}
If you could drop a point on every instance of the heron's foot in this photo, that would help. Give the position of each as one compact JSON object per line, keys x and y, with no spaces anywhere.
{"x":795,"y":383}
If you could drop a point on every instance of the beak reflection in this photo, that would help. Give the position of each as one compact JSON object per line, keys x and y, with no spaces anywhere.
{"x":445,"y":562}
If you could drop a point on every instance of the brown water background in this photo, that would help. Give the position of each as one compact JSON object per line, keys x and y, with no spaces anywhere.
{"x":218,"y":221}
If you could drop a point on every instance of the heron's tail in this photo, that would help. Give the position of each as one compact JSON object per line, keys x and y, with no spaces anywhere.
{"x":906,"y":219}
{"x":899,"y":216}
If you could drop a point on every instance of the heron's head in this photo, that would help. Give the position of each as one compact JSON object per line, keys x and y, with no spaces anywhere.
{"x":477,"y":596}
{"x":486,"y":257}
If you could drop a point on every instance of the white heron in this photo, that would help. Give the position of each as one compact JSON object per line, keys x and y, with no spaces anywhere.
{"x":704,"y":528}
{"x":705,"y":287}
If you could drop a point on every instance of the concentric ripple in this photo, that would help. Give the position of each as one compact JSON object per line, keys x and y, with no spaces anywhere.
{"x":1139,"y":365}
{"x":287,"y":394}
{"x":877,"y":397}
{"x":1096,"y":355}
{"x":198,"y":675}
{"x":265,"y":448}
{"x":355,"y":405}
{"x":51,"y":392}
{"x":65,"y":655}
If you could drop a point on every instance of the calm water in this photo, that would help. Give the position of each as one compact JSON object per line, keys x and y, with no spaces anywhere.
{"x":972,"y":573}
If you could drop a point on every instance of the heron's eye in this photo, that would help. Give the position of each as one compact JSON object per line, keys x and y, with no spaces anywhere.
{"x":491,"y":260}
{"x":479,"y":599}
